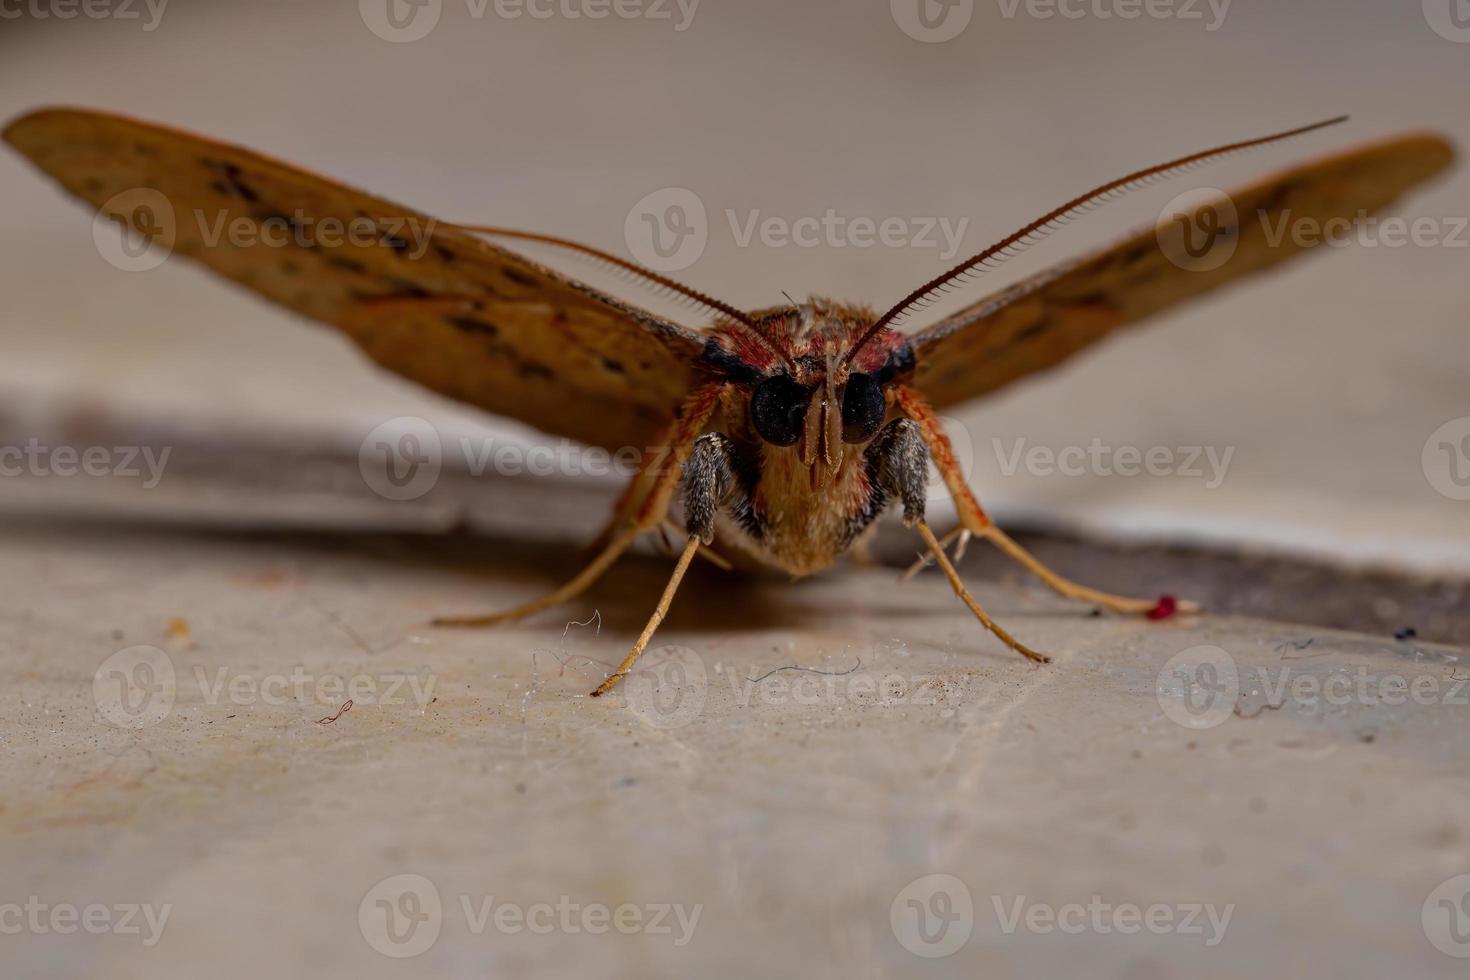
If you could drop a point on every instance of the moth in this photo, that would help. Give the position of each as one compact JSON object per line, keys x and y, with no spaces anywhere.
{"x":779,"y":435}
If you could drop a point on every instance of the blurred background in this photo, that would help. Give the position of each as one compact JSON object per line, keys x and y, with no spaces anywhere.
{"x":1323,"y":391}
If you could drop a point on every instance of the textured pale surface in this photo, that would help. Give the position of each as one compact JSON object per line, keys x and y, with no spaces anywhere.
{"x":791,"y":811}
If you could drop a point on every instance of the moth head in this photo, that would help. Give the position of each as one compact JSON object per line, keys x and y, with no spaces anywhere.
{"x":788,"y":403}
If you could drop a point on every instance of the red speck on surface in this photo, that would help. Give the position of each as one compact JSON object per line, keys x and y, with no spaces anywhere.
{"x":1164,"y":608}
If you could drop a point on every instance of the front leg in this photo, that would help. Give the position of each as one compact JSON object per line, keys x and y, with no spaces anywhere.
{"x":976,"y":521}
{"x":899,"y":459}
{"x":709,"y":480}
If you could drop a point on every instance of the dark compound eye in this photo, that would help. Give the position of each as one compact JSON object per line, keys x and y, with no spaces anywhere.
{"x":778,"y":408}
{"x":862,"y":408}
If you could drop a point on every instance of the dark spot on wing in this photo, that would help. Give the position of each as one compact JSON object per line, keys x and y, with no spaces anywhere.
{"x":1278,"y":196}
{"x":518,"y":277}
{"x":407,"y":288}
{"x":398,"y":245}
{"x":232,"y":181}
{"x":535,"y":369}
{"x":1137,"y":253}
{"x":445,"y":253}
{"x":343,"y":262}
{"x":1033,"y":330}
{"x":470,"y":324}
{"x":615,"y":367}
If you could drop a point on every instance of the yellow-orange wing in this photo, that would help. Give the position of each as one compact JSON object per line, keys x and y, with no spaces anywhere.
{"x":1046,"y":319}
{"x":429,"y":301}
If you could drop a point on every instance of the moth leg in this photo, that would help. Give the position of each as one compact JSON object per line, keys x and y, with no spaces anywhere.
{"x":708,"y":554}
{"x":709,"y":480}
{"x":960,"y":534}
{"x":900,"y":456}
{"x":566,"y":593}
{"x":656,"y":479}
{"x":974,"y":519}
{"x":653,"y":623}
{"x":969,"y":600}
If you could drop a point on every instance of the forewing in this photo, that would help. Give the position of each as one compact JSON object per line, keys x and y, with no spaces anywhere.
{"x":435,"y":304}
{"x":1046,"y":319}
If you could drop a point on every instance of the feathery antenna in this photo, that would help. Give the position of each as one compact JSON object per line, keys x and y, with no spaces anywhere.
{"x":633,"y":269}
{"x":1017,"y":242}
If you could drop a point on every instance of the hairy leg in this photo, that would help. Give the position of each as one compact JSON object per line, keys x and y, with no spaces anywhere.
{"x":902,"y":465}
{"x":974,"y":519}
{"x":642,"y":508}
{"x":709,"y":482}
